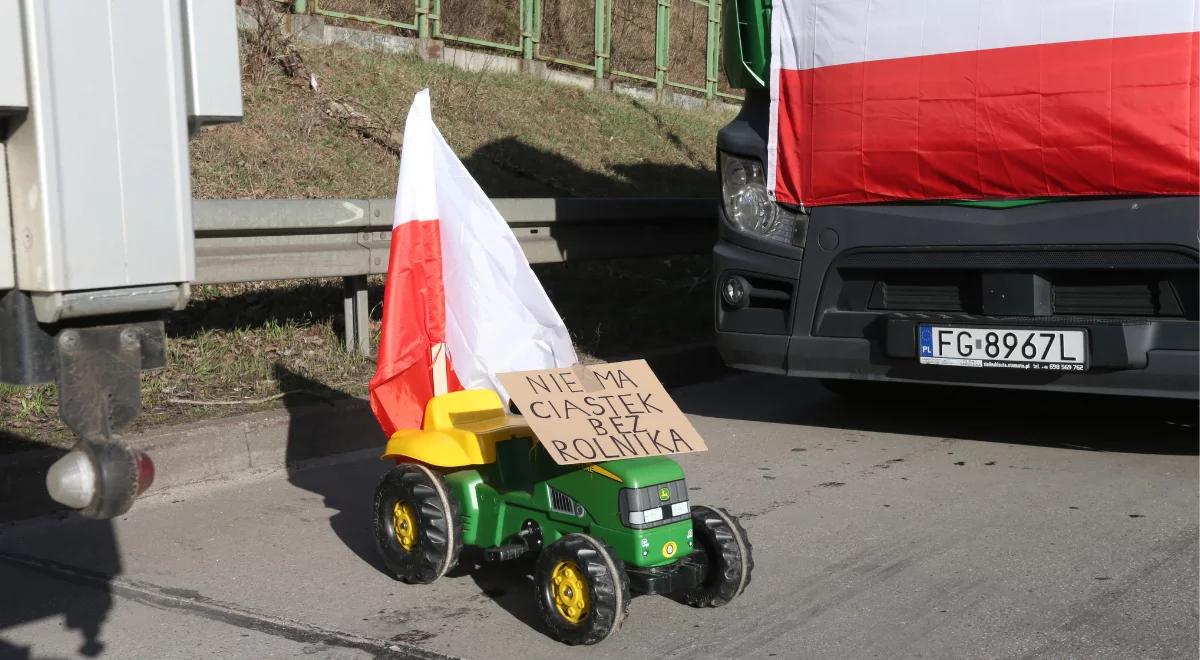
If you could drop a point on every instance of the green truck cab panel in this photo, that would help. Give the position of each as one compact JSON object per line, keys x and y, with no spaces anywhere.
{"x":1000,"y":203}
{"x":746,"y":37}
{"x":525,"y":485}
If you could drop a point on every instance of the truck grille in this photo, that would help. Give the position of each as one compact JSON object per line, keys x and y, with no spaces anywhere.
{"x":903,"y":294}
{"x":1121,"y":293}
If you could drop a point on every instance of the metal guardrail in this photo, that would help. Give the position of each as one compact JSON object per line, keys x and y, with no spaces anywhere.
{"x":271,"y":239}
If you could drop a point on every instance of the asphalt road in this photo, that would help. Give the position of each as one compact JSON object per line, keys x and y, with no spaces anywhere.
{"x":941,"y":526}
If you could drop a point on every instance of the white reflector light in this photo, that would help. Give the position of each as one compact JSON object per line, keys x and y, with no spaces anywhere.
{"x":71,"y":481}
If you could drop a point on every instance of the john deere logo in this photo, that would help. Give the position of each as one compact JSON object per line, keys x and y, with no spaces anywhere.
{"x":664,"y":493}
{"x":669,"y":549}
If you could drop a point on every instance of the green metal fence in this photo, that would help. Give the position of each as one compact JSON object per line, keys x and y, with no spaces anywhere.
{"x":618,"y":39}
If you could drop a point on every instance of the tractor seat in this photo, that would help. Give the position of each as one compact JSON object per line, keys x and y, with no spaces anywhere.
{"x":461,"y":428}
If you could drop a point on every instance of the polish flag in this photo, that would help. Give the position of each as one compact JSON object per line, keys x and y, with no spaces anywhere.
{"x":461,"y":303}
{"x":875,"y":100}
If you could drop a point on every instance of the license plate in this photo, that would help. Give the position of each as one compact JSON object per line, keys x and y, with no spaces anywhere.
{"x":1038,"y":349}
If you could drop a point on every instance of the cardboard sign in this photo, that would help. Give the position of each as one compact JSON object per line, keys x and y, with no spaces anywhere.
{"x":601,"y":412}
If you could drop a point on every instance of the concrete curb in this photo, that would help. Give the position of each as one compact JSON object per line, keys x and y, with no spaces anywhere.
{"x":209,"y":449}
{"x":222,"y":448}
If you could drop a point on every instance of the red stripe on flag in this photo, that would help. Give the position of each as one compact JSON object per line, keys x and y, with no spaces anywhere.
{"x":414,"y":320}
{"x":1100,"y":117}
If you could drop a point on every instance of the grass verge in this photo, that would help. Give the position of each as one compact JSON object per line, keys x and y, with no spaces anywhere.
{"x":250,"y":342}
{"x":517,"y":135}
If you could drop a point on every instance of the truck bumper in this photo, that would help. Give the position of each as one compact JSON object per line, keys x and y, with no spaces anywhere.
{"x":1124,"y":270}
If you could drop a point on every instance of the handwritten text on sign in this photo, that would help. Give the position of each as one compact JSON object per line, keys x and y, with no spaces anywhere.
{"x":601,"y":412}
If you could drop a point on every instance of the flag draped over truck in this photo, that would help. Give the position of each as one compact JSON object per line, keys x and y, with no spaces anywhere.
{"x":875,"y":100}
{"x":460,"y":303}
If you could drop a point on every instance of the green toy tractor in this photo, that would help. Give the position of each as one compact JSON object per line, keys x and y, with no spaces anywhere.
{"x":476,"y":476}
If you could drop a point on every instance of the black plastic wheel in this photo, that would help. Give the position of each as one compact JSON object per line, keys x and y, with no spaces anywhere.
{"x":417,"y":527}
{"x":582,"y":589}
{"x":727,"y":552}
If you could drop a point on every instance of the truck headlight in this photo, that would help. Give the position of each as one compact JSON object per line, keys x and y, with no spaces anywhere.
{"x":749,"y":206}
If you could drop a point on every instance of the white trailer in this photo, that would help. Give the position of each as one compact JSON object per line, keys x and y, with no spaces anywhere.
{"x":97,"y":102}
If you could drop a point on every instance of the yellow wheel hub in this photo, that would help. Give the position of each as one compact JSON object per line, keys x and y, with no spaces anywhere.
{"x":570,"y":591}
{"x":405,"y":520}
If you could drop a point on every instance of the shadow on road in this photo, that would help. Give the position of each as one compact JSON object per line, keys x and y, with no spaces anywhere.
{"x":1051,"y":419}
{"x":32,"y":587}
{"x":509,"y":584}
{"x":312,"y":435}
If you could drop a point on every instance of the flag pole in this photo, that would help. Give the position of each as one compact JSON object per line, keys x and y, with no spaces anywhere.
{"x":440,"y":380}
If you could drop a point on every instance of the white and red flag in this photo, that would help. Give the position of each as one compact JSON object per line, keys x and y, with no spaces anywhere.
{"x":875,"y":100}
{"x":461,"y":303}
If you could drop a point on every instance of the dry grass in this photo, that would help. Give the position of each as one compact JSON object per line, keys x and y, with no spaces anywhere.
{"x":517,"y":135}
{"x":688,"y":61}
{"x":250,"y":341}
{"x":285,"y":147}
{"x":389,"y":10}
{"x":232,"y":343}
{"x":568,"y":30}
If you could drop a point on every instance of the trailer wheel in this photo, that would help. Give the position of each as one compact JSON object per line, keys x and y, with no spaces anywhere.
{"x":417,"y":528}
{"x":582,"y":589}
{"x":728,"y":554}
